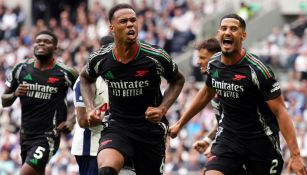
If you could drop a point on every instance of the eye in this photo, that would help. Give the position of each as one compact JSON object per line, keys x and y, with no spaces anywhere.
{"x":123,"y":21}
{"x":234,"y":29}
{"x":223,"y":28}
{"x":48,"y":42}
{"x":133,"y":19}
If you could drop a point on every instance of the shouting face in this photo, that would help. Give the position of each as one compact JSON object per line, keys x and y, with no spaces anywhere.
{"x":124,"y":26}
{"x":230,"y":36}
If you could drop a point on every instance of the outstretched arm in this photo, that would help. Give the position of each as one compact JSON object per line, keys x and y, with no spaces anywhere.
{"x":201,"y":100}
{"x":278,"y":107}
{"x":155,"y":114}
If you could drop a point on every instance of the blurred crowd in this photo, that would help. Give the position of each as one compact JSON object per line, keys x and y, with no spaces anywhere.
{"x":171,"y":24}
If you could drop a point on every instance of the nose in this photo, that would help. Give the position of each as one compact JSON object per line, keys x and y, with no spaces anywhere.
{"x":228,"y":31}
{"x":40,"y":43}
{"x":130,"y":23}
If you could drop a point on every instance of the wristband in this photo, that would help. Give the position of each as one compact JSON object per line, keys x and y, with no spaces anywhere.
{"x":207,"y":139}
{"x":14,"y":94}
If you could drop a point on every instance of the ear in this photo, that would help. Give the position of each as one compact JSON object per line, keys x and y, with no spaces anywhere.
{"x":244,"y":34}
{"x":111,"y":28}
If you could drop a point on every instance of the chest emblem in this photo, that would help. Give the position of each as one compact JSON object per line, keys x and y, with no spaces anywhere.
{"x":141,"y":73}
{"x":238,"y":77}
{"x":52,"y":80}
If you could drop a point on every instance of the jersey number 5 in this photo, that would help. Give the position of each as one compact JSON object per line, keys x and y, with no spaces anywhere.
{"x":39,"y":152}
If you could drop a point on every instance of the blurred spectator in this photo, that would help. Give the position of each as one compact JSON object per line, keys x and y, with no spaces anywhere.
{"x":9,"y":24}
{"x":245,"y":11}
{"x":300,"y":63}
{"x":300,"y":25}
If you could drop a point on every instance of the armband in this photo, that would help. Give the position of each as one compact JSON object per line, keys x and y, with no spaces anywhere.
{"x":207,"y":139}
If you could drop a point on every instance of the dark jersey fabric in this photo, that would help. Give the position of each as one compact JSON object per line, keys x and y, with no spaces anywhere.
{"x":243,"y":90}
{"x":136,"y":85}
{"x":44,"y":106}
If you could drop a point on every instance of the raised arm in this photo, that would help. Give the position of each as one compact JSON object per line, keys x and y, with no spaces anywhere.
{"x":201,"y":100}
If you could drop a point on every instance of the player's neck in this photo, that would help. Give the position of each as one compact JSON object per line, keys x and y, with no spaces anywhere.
{"x":125,"y":53}
{"x":44,"y":64}
{"x":233,"y":58}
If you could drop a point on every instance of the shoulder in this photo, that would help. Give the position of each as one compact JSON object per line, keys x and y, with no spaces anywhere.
{"x":67,"y":68}
{"x":99,"y":53}
{"x":215,"y":58}
{"x":258,"y":65}
{"x":25,"y":62}
{"x":154,"y":51}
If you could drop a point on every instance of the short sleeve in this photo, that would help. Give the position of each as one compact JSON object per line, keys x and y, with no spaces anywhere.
{"x":12,"y":77}
{"x":78,"y":101}
{"x":169,"y":68}
{"x":269,"y":86}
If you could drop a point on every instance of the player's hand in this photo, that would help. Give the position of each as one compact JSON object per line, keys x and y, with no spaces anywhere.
{"x":201,"y":146}
{"x":174,"y":130}
{"x":94,"y":118}
{"x":296,"y":164}
{"x":207,"y":152}
{"x":154,"y":114}
{"x":65,"y":127}
{"x":21,"y":90}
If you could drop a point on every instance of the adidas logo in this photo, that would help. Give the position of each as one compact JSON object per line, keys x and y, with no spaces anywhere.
{"x":109,"y":75}
{"x":28,"y":77}
{"x":216,"y":74}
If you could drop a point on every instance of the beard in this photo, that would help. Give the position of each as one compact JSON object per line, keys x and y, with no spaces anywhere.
{"x":44,"y":57}
{"x":227,"y":54}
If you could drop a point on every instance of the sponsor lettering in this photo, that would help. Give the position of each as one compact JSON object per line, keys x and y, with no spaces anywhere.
{"x":41,"y":91}
{"x":127,"y":88}
{"x":228,"y":90}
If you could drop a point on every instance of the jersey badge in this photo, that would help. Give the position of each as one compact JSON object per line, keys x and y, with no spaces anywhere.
{"x":239,"y":77}
{"x":52,"y":80}
{"x":141,"y":73}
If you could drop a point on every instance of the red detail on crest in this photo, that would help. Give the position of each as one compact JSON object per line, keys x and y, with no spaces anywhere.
{"x":239,"y":77}
{"x":141,"y":73}
{"x":52,"y":80}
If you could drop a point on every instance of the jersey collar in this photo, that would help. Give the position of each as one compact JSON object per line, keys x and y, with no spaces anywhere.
{"x":48,"y":67}
{"x":133,"y":57}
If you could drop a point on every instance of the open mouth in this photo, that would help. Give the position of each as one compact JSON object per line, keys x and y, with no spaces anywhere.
{"x":131,"y":32}
{"x":227,"y":42}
